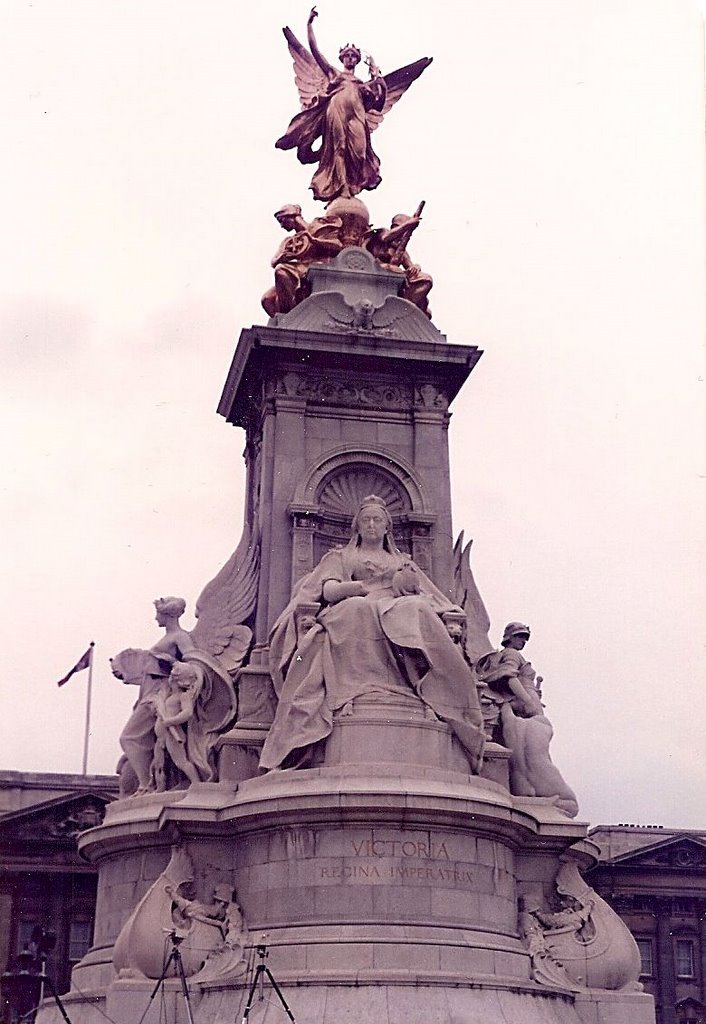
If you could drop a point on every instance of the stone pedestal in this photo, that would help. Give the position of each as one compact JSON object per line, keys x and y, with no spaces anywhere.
{"x":384,"y":882}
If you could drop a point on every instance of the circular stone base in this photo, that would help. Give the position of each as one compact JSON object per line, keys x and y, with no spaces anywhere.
{"x":434,"y":999}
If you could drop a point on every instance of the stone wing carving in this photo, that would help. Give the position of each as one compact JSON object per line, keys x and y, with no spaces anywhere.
{"x":364,"y":316}
{"x":391,"y":312}
{"x":476,"y":642}
{"x":227,"y":602}
{"x":310,"y":79}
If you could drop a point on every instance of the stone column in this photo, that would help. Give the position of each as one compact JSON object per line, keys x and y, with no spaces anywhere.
{"x":289,"y":451}
{"x":701,"y":911}
{"x":666,"y":995}
{"x":302,"y":545}
{"x":6,"y":916}
{"x":431,"y":460}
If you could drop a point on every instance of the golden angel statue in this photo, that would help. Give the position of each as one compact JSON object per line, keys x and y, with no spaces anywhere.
{"x":340,"y":110}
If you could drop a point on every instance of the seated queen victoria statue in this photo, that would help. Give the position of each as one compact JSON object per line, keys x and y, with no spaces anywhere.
{"x":375,"y":632}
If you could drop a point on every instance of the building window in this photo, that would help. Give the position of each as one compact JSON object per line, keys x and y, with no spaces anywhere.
{"x":80,"y":936}
{"x":684,"y":949}
{"x":24,"y":934}
{"x":645,"y":947}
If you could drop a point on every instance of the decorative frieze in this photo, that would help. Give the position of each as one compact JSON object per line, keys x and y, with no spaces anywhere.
{"x":340,"y":390}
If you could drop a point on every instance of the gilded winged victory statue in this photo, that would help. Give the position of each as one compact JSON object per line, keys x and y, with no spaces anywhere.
{"x":340,"y":111}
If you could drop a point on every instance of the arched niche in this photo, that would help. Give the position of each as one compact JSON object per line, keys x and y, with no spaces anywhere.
{"x":329,"y":495}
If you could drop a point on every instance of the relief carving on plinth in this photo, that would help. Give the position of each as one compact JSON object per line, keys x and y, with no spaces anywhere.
{"x":344,"y":489}
{"x":340,"y":390}
{"x":429,"y":396}
{"x":579,"y":942}
{"x":210,"y":935}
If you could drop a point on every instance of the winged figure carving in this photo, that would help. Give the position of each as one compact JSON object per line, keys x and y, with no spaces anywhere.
{"x":476,"y":642}
{"x":339,"y":112}
{"x":187,"y":696}
{"x":364,"y":317}
{"x":226,"y":603}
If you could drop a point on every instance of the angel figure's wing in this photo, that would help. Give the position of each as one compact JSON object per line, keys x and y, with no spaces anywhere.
{"x":467,"y":596}
{"x":227,"y":602}
{"x":310,"y":79}
{"x":397,"y":83}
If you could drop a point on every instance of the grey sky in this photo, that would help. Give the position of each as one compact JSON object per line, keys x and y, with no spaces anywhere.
{"x":559,"y":147}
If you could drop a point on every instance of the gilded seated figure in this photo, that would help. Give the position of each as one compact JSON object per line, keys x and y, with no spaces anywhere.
{"x":375,"y":631}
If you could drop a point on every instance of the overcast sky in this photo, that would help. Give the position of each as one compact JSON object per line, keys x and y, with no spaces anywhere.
{"x":559,"y":147}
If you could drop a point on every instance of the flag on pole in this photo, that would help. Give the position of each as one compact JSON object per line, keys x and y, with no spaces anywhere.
{"x":83,"y":662}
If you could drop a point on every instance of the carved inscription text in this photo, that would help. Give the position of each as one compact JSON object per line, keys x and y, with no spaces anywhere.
{"x":402,"y":861}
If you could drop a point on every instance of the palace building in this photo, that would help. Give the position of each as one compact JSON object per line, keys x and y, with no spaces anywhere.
{"x":655,"y":878}
{"x":43,"y":881}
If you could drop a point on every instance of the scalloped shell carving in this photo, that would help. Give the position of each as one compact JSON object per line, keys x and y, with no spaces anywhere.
{"x":342,"y":492}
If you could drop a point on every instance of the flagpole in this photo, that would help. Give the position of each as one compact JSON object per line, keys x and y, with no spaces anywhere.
{"x":89,"y":689}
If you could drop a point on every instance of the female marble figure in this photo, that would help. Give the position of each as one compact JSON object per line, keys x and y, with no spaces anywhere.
{"x":377,"y":633}
{"x":200,"y":697}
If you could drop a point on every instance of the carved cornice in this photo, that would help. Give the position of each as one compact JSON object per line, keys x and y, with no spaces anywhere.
{"x":264,"y":352}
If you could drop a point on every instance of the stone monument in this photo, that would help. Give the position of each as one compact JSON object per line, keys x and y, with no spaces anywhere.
{"x":336,"y":765}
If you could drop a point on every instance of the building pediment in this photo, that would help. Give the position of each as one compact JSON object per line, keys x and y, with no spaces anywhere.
{"x":58,"y":821}
{"x":680,"y":852}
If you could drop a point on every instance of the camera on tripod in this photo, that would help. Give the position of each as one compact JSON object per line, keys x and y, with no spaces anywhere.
{"x":262,"y":971}
{"x":175,"y":937}
{"x":24,"y":988}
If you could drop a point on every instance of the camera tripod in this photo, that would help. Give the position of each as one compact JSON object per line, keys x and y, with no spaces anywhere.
{"x":42,"y":982}
{"x":47,"y":983}
{"x":262,"y":971}
{"x":173,"y":958}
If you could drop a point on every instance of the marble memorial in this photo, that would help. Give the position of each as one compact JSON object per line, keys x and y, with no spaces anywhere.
{"x":336,"y":763}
